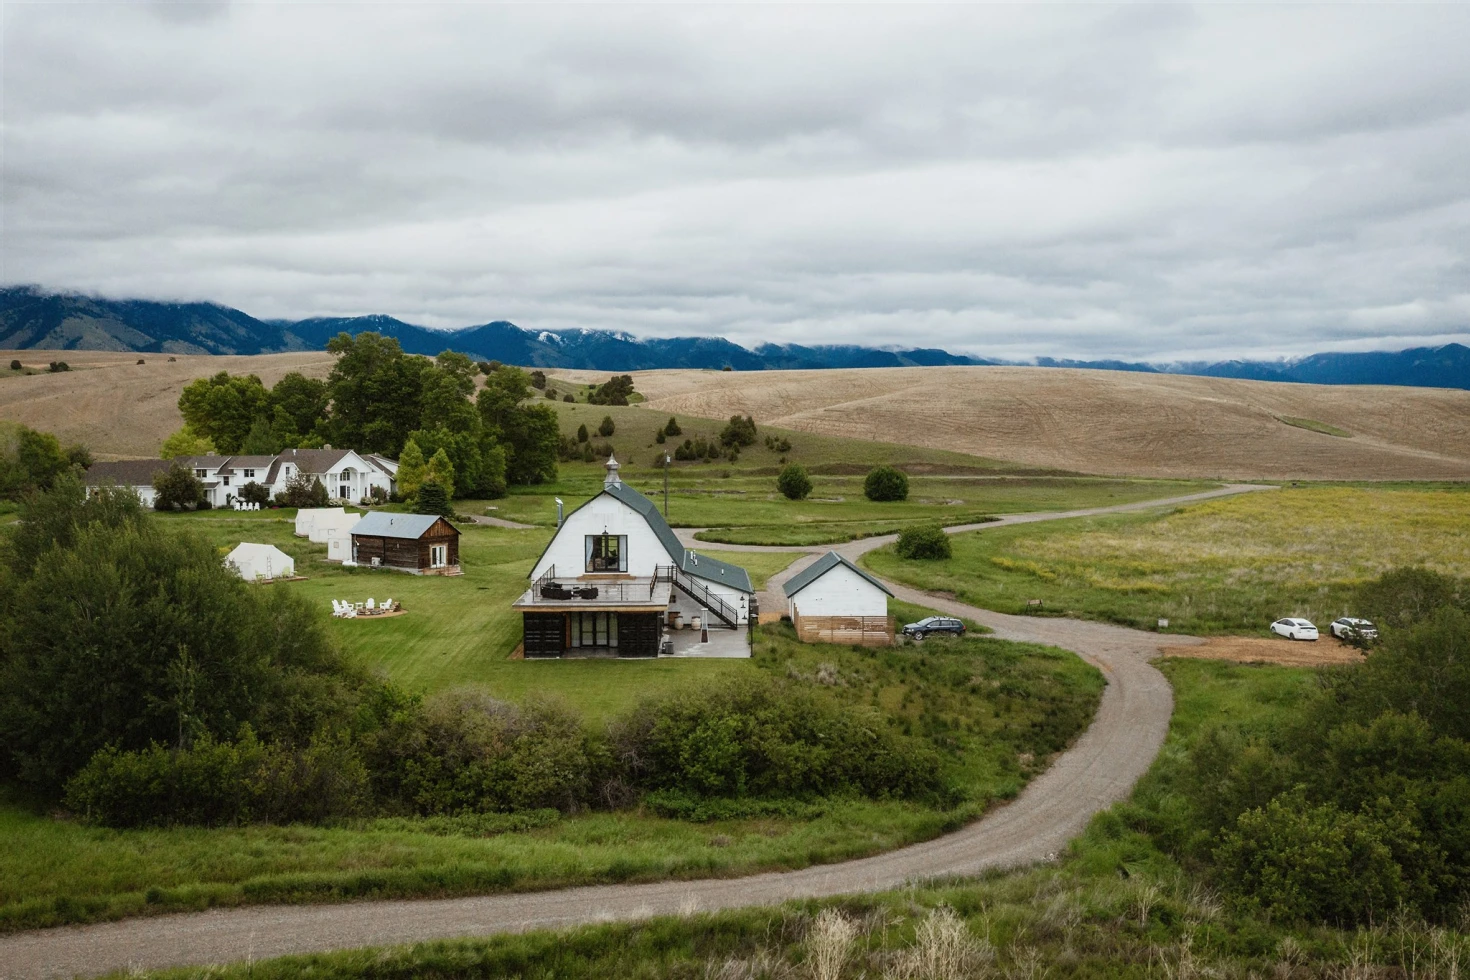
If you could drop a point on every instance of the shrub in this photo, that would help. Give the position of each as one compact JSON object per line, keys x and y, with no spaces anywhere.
{"x":793,"y":482}
{"x":58,"y":366}
{"x":467,"y":752}
{"x":607,"y":427}
{"x":255,"y":493}
{"x":672,"y":428}
{"x":538,"y":379}
{"x":215,"y":783}
{"x":886,"y":483}
{"x":551,"y":393}
{"x":568,"y":398}
{"x":302,"y":491}
{"x":659,"y":437}
{"x":738,"y":431}
{"x":753,"y":737}
{"x":15,"y":366}
{"x":177,"y":489}
{"x":926,"y":542}
{"x":1293,"y":860}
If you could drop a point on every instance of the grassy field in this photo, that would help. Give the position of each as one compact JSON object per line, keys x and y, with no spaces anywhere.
{"x":1225,"y":566}
{"x":735,"y":502}
{"x":1115,"y":906}
{"x":995,"y":711}
{"x":461,"y":630}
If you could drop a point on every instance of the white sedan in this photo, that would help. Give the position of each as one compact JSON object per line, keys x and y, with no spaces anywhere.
{"x":1294,"y":629}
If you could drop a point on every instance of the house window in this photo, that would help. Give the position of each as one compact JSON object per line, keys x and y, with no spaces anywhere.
{"x":594,"y":629}
{"x":249,"y":474}
{"x":201,"y":473}
{"x":607,"y":552}
{"x":226,"y":480}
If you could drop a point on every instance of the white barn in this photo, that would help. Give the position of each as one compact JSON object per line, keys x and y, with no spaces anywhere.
{"x":834,"y":601}
{"x":615,"y":578}
{"x":260,"y":562}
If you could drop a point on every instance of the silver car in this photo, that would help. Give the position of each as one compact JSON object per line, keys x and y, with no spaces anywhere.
{"x":1352,"y":628}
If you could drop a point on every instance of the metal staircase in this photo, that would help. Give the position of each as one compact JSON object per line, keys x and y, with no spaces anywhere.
{"x":693,"y":588}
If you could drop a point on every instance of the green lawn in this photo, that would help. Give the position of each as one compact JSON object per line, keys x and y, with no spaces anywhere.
{"x":995,"y":712}
{"x":1231,"y":565}
{"x":836,"y":507}
{"x":460,"y":630}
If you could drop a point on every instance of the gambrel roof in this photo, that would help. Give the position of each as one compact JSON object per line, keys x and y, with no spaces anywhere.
{"x":687,"y":561}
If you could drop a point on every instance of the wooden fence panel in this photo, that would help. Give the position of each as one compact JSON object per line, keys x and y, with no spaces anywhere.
{"x":871,"y":631}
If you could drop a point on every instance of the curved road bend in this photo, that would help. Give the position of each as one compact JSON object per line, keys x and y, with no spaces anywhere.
{"x":1099,"y":769}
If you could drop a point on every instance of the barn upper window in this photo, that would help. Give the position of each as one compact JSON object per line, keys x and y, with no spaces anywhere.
{"x":607,"y":552}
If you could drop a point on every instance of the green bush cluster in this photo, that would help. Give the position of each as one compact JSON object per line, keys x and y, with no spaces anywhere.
{"x":738,"y":432}
{"x":616,"y":390}
{"x":216,"y":783}
{"x":924,"y":542}
{"x":1361,"y":805}
{"x":884,"y":483}
{"x":757,"y":738}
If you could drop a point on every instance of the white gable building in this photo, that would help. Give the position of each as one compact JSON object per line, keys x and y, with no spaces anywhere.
{"x":834,"y":601}
{"x":616,"y":580}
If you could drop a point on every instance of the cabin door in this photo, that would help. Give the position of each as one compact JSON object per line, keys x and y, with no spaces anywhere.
{"x":438,"y":555}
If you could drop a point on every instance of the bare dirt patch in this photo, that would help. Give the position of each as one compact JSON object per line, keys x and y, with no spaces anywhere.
{"x":1328,"y":651}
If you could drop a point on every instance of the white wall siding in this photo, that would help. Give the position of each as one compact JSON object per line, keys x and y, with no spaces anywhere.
{"x":840,"y":592}
{"x":567,"y":550}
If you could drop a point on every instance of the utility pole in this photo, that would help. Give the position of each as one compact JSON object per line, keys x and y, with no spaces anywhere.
{"x":667,"y":461}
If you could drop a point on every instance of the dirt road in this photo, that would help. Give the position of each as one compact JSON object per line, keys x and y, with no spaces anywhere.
{"x":1097,"y":771}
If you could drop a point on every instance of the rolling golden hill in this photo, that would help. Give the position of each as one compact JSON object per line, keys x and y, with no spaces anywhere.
{"x":1103,"y":422}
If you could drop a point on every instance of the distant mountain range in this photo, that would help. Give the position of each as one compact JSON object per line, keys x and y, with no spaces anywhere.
{"x":33,"y":318}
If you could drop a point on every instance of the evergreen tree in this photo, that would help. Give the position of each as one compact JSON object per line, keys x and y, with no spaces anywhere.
{"x":432,"y":499}
{"x":582,"y":432}
{"x":606,"y":428}
{"x":260,"y":441}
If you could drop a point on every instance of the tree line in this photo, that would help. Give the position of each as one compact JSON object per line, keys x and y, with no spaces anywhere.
{"x":377,"y":399}
{"x":32,"y":461}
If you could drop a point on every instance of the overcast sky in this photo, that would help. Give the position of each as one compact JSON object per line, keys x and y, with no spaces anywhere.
{"x":1140,"y":182}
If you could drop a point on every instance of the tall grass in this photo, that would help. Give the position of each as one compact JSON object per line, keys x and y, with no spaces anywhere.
{"x":1223,"y":566}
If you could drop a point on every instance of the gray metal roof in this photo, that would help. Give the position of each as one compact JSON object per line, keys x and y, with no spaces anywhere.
{"x":382,"y":524}
{"x":821,"y":567}
{"x":126,"y":472}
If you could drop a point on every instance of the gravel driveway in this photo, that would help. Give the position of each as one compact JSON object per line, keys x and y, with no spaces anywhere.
{"x":1099,"y":769}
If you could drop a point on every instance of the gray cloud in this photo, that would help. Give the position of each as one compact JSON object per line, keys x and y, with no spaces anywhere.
{"x":1143,"y":181}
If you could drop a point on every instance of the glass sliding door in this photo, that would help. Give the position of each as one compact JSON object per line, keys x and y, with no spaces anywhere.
{"x":595,"y":629}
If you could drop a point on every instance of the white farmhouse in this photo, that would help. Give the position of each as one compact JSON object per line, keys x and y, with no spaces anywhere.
{"x":616,"y":581}
{"x":260,"y":562}
{"x":834,"y":601}
{"x":347,"y":475}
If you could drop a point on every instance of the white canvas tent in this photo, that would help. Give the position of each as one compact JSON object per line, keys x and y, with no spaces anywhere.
{"x":260,"y":562}
{"x":306,"y":518}
{"x":327,"y":525}
{"x":339,"y":544}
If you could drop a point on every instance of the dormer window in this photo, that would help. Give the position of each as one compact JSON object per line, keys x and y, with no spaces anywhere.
{"x":607,"y":552}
